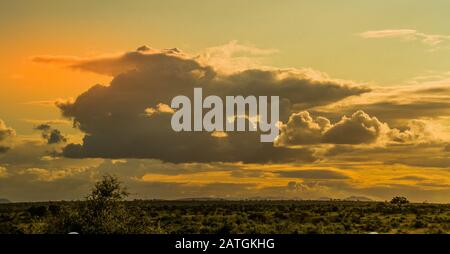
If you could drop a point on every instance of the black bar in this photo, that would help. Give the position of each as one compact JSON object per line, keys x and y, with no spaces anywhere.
{"x":221,"y":243}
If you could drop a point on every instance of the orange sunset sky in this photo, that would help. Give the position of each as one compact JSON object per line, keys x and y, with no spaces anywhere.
{"x":364,"y":98}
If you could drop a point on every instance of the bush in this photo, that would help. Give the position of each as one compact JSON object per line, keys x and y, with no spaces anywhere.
{"x":38,"y":211}
{"x":399,"y":201}
{"x":103,"y":212}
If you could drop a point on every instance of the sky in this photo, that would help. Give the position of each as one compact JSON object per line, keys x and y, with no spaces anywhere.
{"x":364,"y":89}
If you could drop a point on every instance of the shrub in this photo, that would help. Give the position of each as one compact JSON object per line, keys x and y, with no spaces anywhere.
{"x":399,"y":201}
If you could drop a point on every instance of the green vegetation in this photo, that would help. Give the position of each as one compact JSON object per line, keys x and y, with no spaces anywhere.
{"x":105,"y":212}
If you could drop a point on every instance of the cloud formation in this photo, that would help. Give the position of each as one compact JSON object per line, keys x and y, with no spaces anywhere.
{"x":407,"y":34}
{"x":396,"y":105}
{"x":116,"y":122}
{"x":28,"y":170}
{"x":233,"y":56}
{"x":359,"y":128}
{"x":338,"y":138}
{"x":52,"y":136}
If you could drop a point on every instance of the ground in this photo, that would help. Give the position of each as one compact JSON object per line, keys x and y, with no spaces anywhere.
{"x":277,"y":217}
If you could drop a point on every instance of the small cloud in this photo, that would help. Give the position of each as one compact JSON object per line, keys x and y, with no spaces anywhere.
{"x":164,"y":108}
{"x":53,"y":136}
{"x":160,"y":108}
{"x":5,"y":131}
{"x":172,"y":51}
{"x":407,"y":34}
{"x":56,"y":60}
{"x":411,"y":178}
{"x":43,"y":127}
{"x":48,"y":121}
{"x":219,"y":134}
{"x":46,"y":175}
{"x":118,"y":161}
{"x":143,"y":48}
{"x":150,"y":111}
{"x":48,"y":158}
{"x":234,"y":56}
{"x":388,"y":33}
{"x":49,"y":103}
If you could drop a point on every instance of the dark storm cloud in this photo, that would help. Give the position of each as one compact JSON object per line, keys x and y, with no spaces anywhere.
{"x":115,"y":126}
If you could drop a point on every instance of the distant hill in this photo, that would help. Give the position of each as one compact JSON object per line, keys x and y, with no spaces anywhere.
{"x":275,"y":198}
{"x":201,"y":199}
{"x":4,"y":201}
{"x":255,"y":198}
{"x":262,"y":198}
{"x":358,"y":198}
{"x":325,"y":199}
{"x":351,"y":198}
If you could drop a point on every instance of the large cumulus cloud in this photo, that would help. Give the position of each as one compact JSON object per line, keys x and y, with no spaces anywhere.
{"x":116,"y":124}
{"x":359,"y":128}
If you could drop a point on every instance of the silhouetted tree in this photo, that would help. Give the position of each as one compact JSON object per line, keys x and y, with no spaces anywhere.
{"x":399,"y":200}
{"x":104,"y":211}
